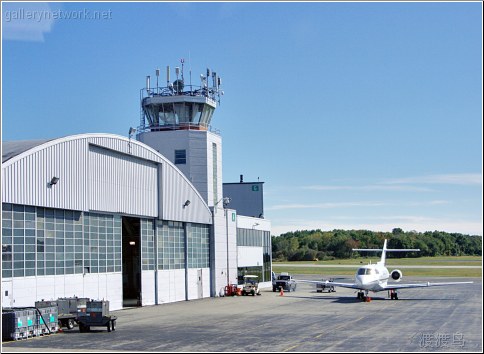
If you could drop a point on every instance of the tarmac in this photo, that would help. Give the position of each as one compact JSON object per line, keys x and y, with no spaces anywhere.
{"x":440,"y":319}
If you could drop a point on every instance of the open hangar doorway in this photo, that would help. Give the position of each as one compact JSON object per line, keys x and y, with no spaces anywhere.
{"x":131,"y":261}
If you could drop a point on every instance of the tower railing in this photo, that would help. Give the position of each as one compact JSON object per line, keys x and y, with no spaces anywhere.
{"x":176,"y":126}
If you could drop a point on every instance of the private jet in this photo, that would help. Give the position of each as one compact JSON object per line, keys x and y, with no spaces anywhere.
{"x":374,"y":277}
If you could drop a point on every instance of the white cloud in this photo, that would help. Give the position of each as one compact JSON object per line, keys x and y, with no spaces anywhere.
{"x":364,"y":204}
{"x":26,"y":21}
{"x":369,"y":188}
{"x":325,"y":205}
{"x":469,"y":179}
{"x":406,"y":184}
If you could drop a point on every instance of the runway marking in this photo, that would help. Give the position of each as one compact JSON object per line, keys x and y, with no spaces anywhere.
{"x":288,"y":349}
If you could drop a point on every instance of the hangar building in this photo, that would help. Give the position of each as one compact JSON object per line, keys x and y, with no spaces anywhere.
{"x":137,"y":222}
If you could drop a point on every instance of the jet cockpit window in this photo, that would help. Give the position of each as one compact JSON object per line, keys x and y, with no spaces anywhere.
{"x":366,"y":271}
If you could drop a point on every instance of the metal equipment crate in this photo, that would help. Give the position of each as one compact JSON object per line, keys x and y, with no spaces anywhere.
{"x":19,"y":323}
{"x":47,"y":317}
{"x":69,"y":309}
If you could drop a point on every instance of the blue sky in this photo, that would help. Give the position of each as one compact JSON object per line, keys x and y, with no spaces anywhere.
{"x":355,"y":115}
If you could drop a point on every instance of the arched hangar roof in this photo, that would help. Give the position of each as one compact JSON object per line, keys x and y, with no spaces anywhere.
{"x":99,"y":172}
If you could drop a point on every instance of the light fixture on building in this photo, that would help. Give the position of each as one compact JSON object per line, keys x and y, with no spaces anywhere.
{"x":226,"y":201}
{"x":54,"y":180}
{"x":132,"y":243}
{"x":187,"y":203}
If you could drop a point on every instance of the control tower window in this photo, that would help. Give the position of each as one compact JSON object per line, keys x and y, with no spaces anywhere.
{"x":180,"y":157}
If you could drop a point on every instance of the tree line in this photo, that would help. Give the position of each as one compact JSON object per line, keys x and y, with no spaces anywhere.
{"x":310,"y":245}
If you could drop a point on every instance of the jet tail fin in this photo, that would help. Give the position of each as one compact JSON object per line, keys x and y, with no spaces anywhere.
{"x":384,"y":251}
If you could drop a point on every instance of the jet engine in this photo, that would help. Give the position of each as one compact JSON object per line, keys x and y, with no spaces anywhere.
{"x":396,"y":275}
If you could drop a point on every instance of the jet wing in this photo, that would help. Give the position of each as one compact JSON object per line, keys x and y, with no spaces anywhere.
{"x":422,"y":285}
{"x":330,"y":283}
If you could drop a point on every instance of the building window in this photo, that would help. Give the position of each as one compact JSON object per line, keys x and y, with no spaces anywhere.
{"x":250,"y":237}
{"x":171,"y":245}
{"x":102,"y":243}
{"x":180,"y":157}
{"x":44,"y":241}
{"x":147,"y":244}
{"x":198,"y":246}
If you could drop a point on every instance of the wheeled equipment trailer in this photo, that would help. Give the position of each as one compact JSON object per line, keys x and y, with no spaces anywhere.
{"x":86,"y":322}
{"x":67,"y":321}
{"x":69,"y":309}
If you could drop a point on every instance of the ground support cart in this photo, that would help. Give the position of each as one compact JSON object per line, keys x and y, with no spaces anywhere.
{"x":96,"y":315}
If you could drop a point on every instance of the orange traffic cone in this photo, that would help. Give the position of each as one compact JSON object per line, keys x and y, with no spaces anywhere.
{"x":282,"y":292}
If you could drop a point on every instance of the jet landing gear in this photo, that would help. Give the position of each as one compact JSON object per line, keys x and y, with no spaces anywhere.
{"x":393,"y":294}
{"x":363,"y":296}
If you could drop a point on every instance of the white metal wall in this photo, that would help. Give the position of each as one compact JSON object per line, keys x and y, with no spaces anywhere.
{"x":224,"y":248}
{"x":252,"y":256}
{"x":27,"y":290}
{"x":199,"y":164}
{"x":171,"y":285}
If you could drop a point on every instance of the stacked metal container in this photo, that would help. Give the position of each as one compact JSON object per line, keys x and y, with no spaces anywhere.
{"x":19,"y":323}
{"x":48,"y":317}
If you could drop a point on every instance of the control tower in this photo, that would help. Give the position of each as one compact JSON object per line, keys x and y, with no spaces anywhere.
{"x":175,"y":121}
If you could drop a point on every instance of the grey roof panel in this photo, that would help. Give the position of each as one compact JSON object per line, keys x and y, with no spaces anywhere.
{"x":13,"y":148}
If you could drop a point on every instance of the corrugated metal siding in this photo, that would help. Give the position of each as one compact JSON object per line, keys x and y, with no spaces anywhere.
{"x":25,"y":179}
{"x":121,"y":183}
{"x":176,"y":193}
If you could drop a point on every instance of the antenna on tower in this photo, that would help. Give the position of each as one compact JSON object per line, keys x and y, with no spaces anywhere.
{"x":148,"y":84}
{"x":157,"y":75}
{"x":190,"y":65}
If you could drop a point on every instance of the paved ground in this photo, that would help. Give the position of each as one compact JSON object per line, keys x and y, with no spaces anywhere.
{"x":428,"y":319}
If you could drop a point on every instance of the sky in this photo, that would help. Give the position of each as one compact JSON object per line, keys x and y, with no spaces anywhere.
{"x":355,"y":115}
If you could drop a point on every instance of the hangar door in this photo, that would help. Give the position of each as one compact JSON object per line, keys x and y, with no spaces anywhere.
{"x":131,"y":262}
{"x":121,"y":183}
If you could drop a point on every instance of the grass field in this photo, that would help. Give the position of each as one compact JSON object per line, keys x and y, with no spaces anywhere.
{"x":421,"y":261}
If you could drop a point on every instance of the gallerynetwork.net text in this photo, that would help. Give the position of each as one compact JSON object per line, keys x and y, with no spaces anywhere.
{"x":41,"y":15}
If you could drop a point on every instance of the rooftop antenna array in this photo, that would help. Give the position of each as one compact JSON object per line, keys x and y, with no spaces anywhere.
{"x":177,"y":87}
